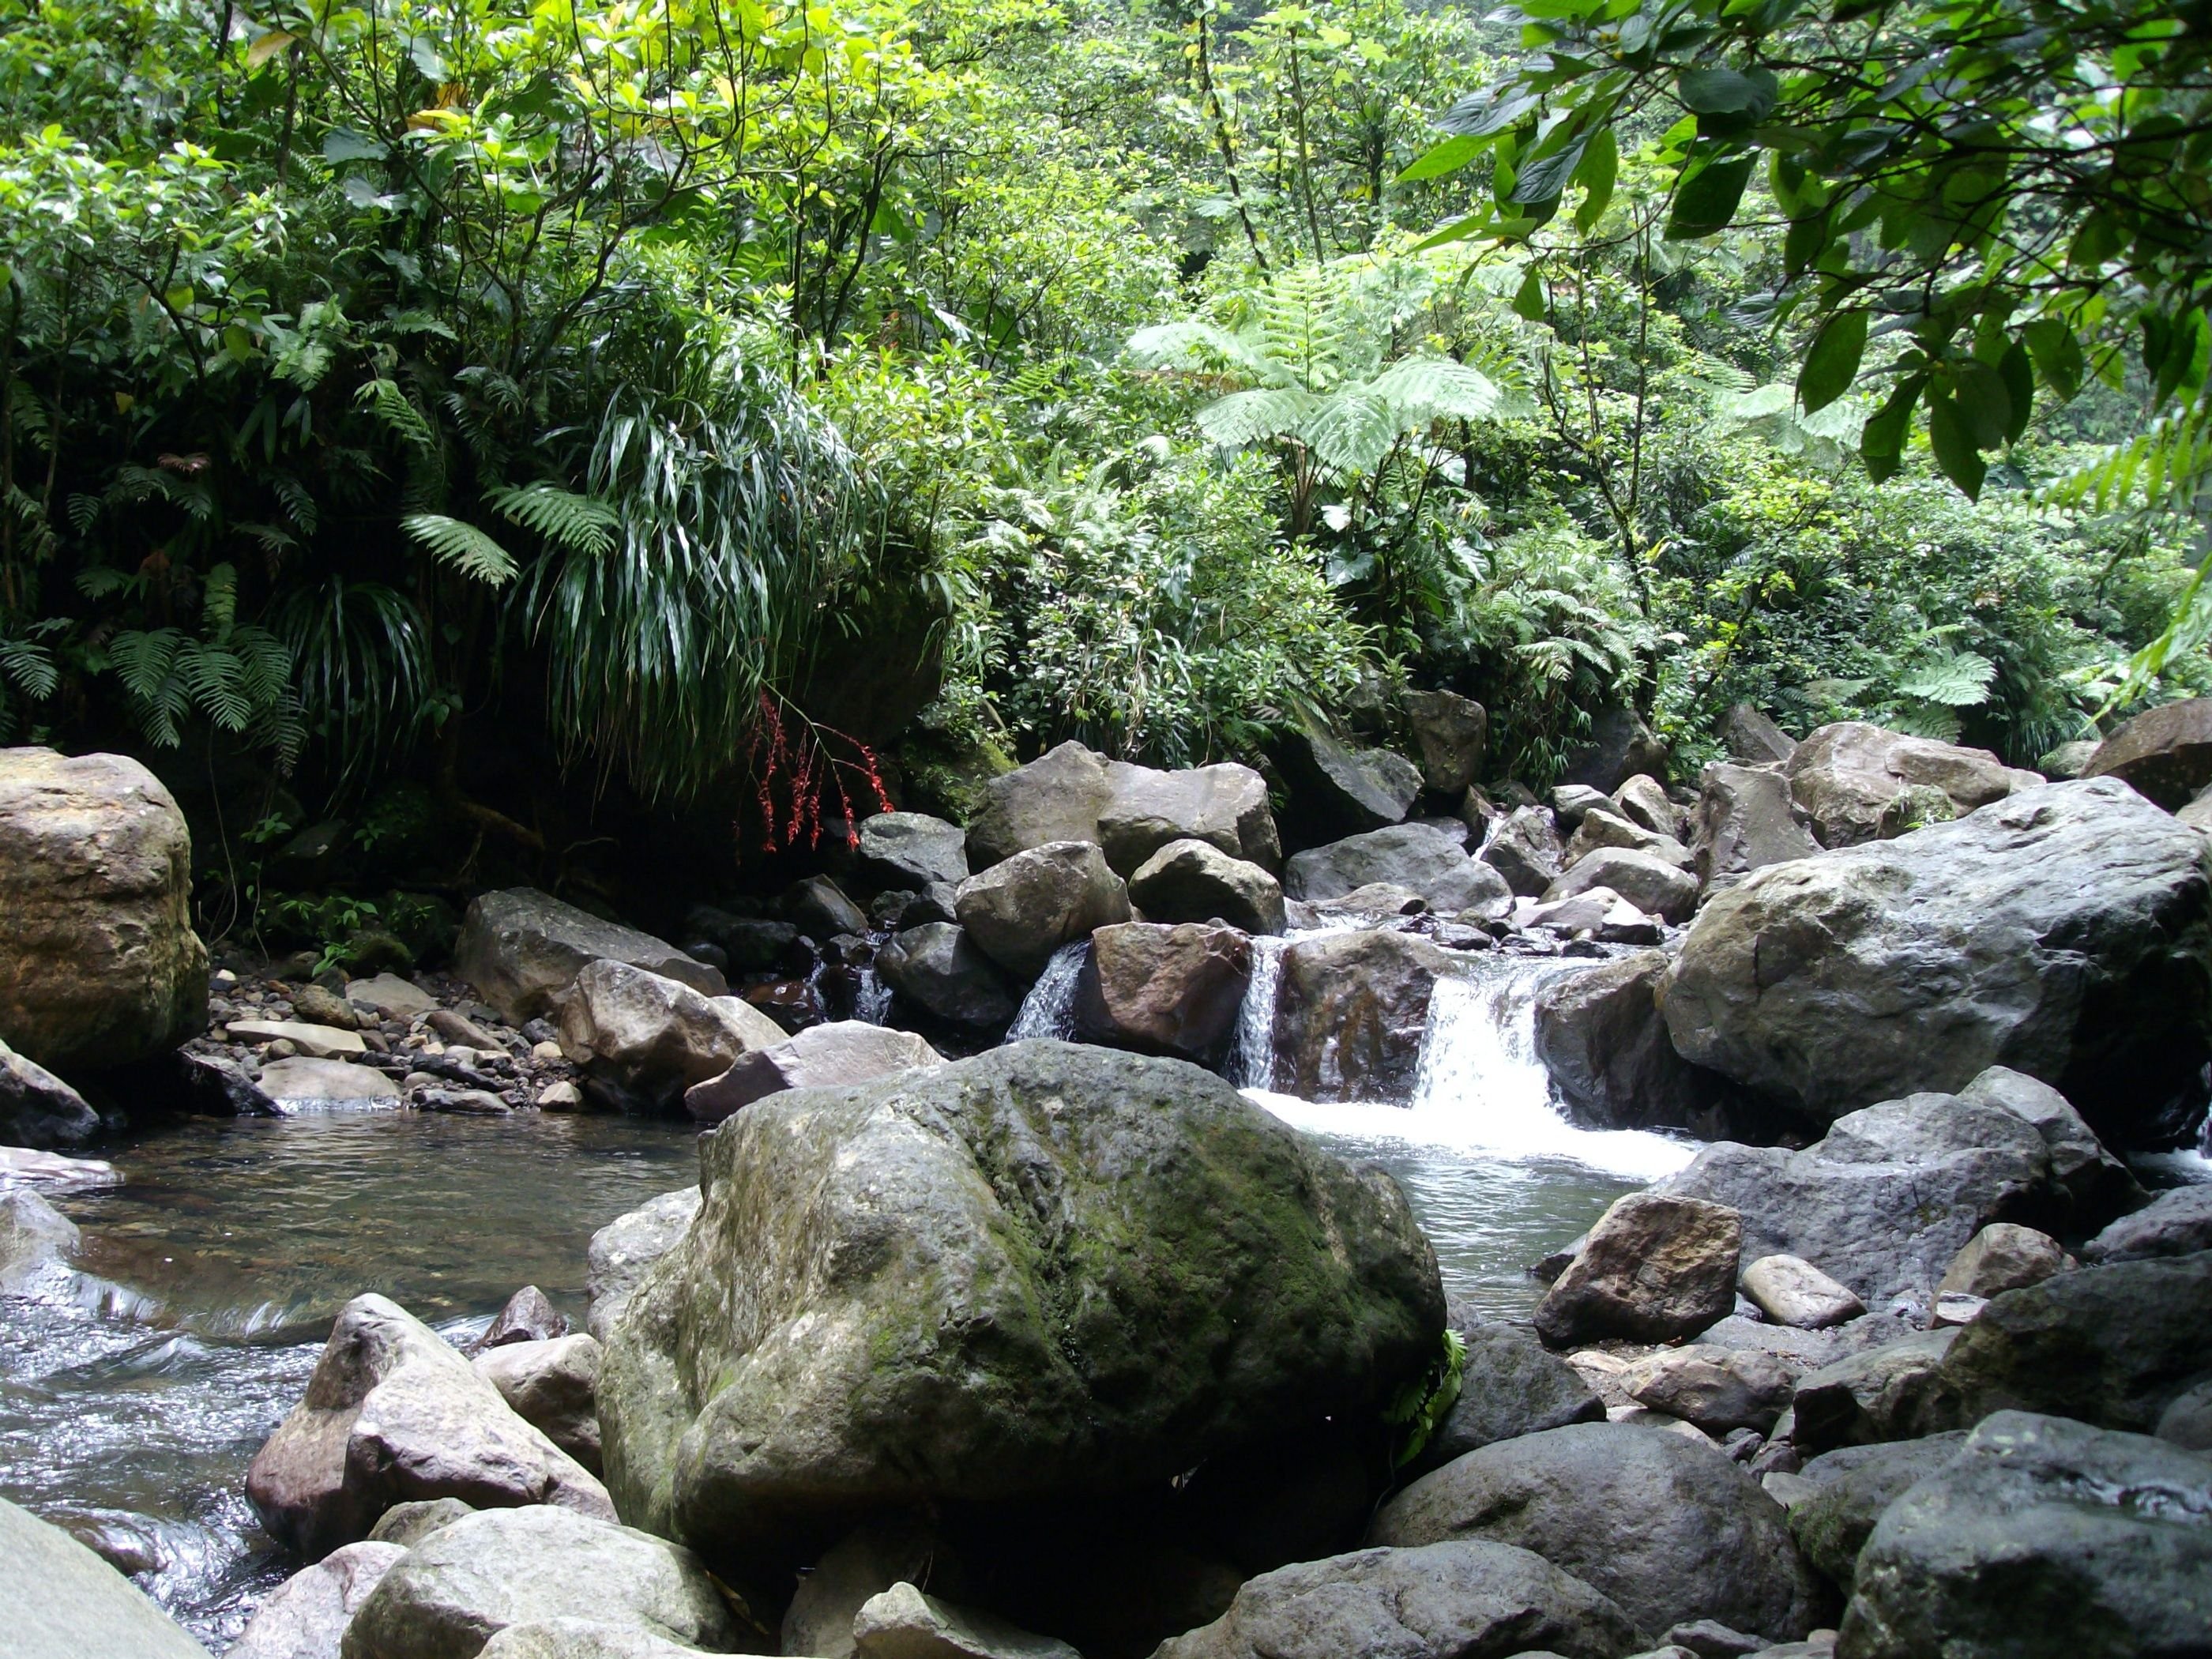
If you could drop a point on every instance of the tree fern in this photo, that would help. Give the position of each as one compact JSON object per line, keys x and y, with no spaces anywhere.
{"x":461,"y":546}
{"x":1960,"y":680}
{"x":582,"y":524}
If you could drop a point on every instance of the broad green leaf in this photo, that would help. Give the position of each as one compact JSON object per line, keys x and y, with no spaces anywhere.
{"x":1983,"y":403}
{"x":2019,"y":377}
{"x":1706,"y":199}
{"x":2057,"y":351}
{"x":1529,"y":300}
{"x":1600,"y":166}
{"x":343,"y":144}
{"x":1449,"y":156}
{"x":1726,"y":92}
{"x":1833,"y":361}
{"x":1882,"y":444}
{"x":1543,"y":177}
{"x":1948,"y":437}
{"x":267,"y":47}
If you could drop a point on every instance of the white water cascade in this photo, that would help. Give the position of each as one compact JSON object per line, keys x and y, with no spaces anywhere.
{"x":1049,"y":1011}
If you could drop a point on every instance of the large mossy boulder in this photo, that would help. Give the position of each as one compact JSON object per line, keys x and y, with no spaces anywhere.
{"x":2065,"y":932}
{"x":98,"y":964}
{"x":1047,"y":1273}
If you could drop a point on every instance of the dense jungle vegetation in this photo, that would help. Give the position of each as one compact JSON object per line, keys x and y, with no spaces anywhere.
{"x":722,"y":407}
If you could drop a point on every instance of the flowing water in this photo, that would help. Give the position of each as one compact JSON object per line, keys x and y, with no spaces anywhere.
{"x":1049,"y":1011}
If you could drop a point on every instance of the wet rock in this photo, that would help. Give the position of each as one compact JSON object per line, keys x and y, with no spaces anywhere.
{"x":2188,"y":1420}
{"x":34,"y":1236}
{"x":860,"y":1567}
{"x":581,"y":1639}
{"x":318,"y":1082}
{"x":1421,"y":857}
{"x":52,"y":1173}
{"x":819,"y":909}
{"x":754,"y":946}
{"x":1602,"y":827}
{"x":2065,"y":932}
{"x":2164,"y":753}
{"x":1748,"y":735}
{"x":216,"y":1085}
{"x":1647,"y":881}
{"x":552,"y":1384}
{"x":903,"y":1623}
{"x":316,"y":1041}
{"x":528,"y":1316}
{"x":1791,"y":1291}
{"x":1339,"y":791}
{"x":1654,"y":1268}
{"x":939,"y":969}
{"x":1449,"y":735}
{"x":1851,"y":1487}
{"x":1027,"y":1200}
{"x":622,"y":1252}
{"x":521,"y":949}
{"x":38,"y":1109}
{"x":1856,"y":782}
{"x":466,"y":1102}
{"x":1025,"y":906}
{"x":1600,"y":914}
{"x":1746,"y":819}
{"x":1619,"y":747}
{"x":389,"y":997}
{"x":2177,"y":1222}
{"x":1601,"y":1036}
{"x":1057,"y":796}
{"x":60,"y":1601}
{"x":1194,"y":881}
{"x":1716,"y":1388}
{"x":1894,"y":1392}
{"x":407,"y":1524}
{"x":912,"y":850}
{"x":843,"y":1051}
{"x":2002,"y":1257}
{"x":454,"y":1027}
{"x":463,"y":1584}
{"x":1458,"y":1599}
{"x":1571,"y":800}
{"x":1349,"y":1009}
{"x":1162,"y":990}
{"x":306,"y":1616}
{"x":1376,"y":898}
{"x":642,"y":1039}
{"x":2093,"y":1185}
{"x":1525,"y":849}
{"x":98,"y":964}
{"x":392,"y":1413}
{"x":2040,"y":1538}
{"x":1670,"y":1529}
{"x":1225,"y":806}
{"x":1509,"y":1386}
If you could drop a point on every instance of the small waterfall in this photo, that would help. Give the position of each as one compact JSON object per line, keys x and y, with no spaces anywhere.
{"x":1251,"y":1063}
{"x":1049,"y":1011}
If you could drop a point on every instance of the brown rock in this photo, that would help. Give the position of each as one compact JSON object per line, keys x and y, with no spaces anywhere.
{"x":1857,"y":782}
{"x":2003,"y":1257}
{"x":2166,"y":753}
{"x":1166,"y":990}
{"x":1653,"y":1268}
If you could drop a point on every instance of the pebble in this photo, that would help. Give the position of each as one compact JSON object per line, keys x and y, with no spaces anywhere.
{"x":561,"y":1097}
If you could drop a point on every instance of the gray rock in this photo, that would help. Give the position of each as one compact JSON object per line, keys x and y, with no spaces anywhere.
{"x":463,"y":1584}
{"x":621,"y":1251}
{"x":1524,"y":848}
{"x":860,"y":1567}
{"x":2066,"y":932}
{"x":1350,"y":1010}
{"x":1600,"y":1036}
{"x":521,"y":949}
{"x":2177,"y":1222}
{"x":1791,"y":1291}
{"x":642,"y":1039}
{"x":1671,"y":1530}
{"x":60,"y":1601}
{"x":1647,"y":881}
{"x":1026,"y":906}
{"x":2095,"y":1185}
{"x":817,"y":907}
{"x":1600,"y":914}
{"x":1856,"y":782}
{"x":52,"y":1173}
{"x":1571,"y":800}
{"x":2003,"y":1257}
{"x":553,"y":1385}
{"x":2188,"y":1420}
{"x":912,"y":850}
{"x":843,"y":1051}
{"x":1421,"y":857}
{"x":2067,"y":761}
{"x":1619,"y":747}
{"x":2164,"y":753}
{"x":316,"y":1041}
{"x":306,"y":1615}
{"x":1345,"y":792}
{"x":2042,"y":1537}
{"x":1851,"y":1487}
{"x":453,"y":1026}
{"x":1655,"y":1267}
{"x":1163,"y":990}
{"x":34,"y":1236}
{"x":216,"y":1085}
{"x":1603,"y":827}
{"x":1057,"y":796}
{"x":313,"y":1081}
{"x":392,"y":1413}
{"x":581,"y":1639}
{"x":1709,"y":1638}
{"x":98,"y":964}
{"x":1456,"y":1600}
{"x":1225,"y":806}
{"x":1716,"y":1389}
{"x":958,"y":1289}
{"x":1750,"y":736}
{"x":529,"y":1315}
{"x":1643,"y":801}
{"x":903,"y":1623}
{"x":1746,"y":819}
{"x":389,"y":997}
{"x":38,"y":1109}
{"x":2197,"y":815}
{"x":314,"y":1004}
{"x":1509,"y":1386}
{"x":939,"y":969}
{"x":407,"y":1524}
{"x":1449,"y":735}
{"x":1194,"y":881}
{"x":1894,"y":1392}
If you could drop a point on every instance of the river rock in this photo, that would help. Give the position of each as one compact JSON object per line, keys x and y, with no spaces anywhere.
{"x":1851,"y":1488}
{"x":1509,"y":1386}
{"x":1350,"y":1010}
{"x":392,"y":1413}
{"x":1643,"y":801}
{"x":938,"y":968}
{"x":2177,"y":1222}
{"x":552,"y":1385}
{"x":1619,"y":747}
{"x":1894,"y":1392}
{"x":216,"y":1085}
{"x":1716,"y":1388}
{"x":1600,"y":914}
{"x":529,"y":1315}
{"x":1748,"y":735}
{"x":1791,"y":1291}
{"x":60,"y":1601}
{"x":1524,"y":848}
{"x":1653,"y":1267}
{"x":1225,"y":806}
{"x":1428,"y":860}
{"x":643,"y":1039}
{"x":843,"y":1051}
{"x":1670,"y":1529}
{"x":1057,"y":796}
{"x":306,"y":1615}
{"x":38,"y":1109}
{"x":1571,"y":800}
{"x":34,"y":1236}
{"x":1457,"y":1600}
{"x":2065,"y":932}
{"x":913,"y":850}
{"x":2164,"y":753}
{"x":302,"y":1081}
{"x":455,"y":1028}
{"x":98,"y":964}
{"x":1195,"y":881}
{"x":1646,"y":880}
{"x":817,"y":907}
{"x":1001,"y":1323}
{"x":1025,"y":906}
{"x":407,"y":1524}
{"x":860,"y":1567}
{"x":2092,"y":1186}
{"x":1449,"y":735}
{"x":389,"y":997}
{"x":1600,"y":1036}
{"x":1603,"y":827}
{"x":903,"y":1623}
{"x":2040,"y":1538}
{"x":521,"y":949}
{"x":1746,"y":819}
{"x":2003,"y":1257}
{"x":1856,"y":783}
{"x":2187,"y":1420}
{"x":1339,"y":791}
{"x":1163,"y":990}
{"x":316,"y":1041}
{"x":463,"y":1584}
{"x":621,"y":1252}
{"x":581,"y":1639}
{"x":52,"y":1173}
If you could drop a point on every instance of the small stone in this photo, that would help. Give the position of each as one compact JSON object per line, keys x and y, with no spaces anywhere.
{"x":528,"y":1316}
{"x":902,"y":1623}
{"x":546,"y":1053}
{"x":2002,"y":1257}
{"x":407,"y":1524}
{"x":321,"y":1007}
{"x":390,"y":996}
{"x":455,"y":1028}
{"x":563,"y":1097}
{"x":1791,"y":1291}
{"x":299,"y":1036}
{"x":1952,"y":1308}
{"x":464,"y":1102}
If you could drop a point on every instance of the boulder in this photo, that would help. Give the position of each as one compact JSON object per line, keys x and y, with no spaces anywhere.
{"x":1717,"y":1389}
{"x":1746,"y":819}
{"x":2093,"y":1185}
{"x":642,"y":1039}
{"x":1791,"y":1291}
{"x":1619,"y":747}
{"x":1856,"y":783}
{"x":903,"y":1623}
{"x":1748,"y":735}
{"x":1653,"y":1267}
{"x":581,"y":1639}
{"x":98,"y":964}
{"x":2002,"y":1257}
{"x":51,"y":1171}
{"x":1057,"y":796}
{"x":1643,"y":801}
{"x":529,"y":1315}
{"x":1600,"y":1036}
{"x":939,"y":969}
{"x":1339,"y":791}
{"x":1646,"y":880}
{"x":2187,"y":1421}
{"x":912,"y":850}
{"x":552,"y":1385}
{"x":303,"y":1082}
{"x":621,"y":1252}
{"x":860,"y":1567}
{"x":2040,"y":1538}
{"x":2113,"y":1344}
{"x":407,"y":1524}
{"x":1523,"y":846}
{"x":392,"y":1413}
{"x":216,"y":1085}
{"x":1600,"y":914}
{"x":817,"y":907}
{"x":1163,"y":990}
{"x":1449,"y":735}
{"x":1226,"y":806}
{"x":1509,"y":1386}
{"x":1046,"y":1271}
{"x":306,"y":1615}
{"x":1195,"y":881}
{"x":521,"y":949}
{"x":1669,"y":1529}
{"x":1455,"y":1600}
{"x":1026,"y":906}
{"x":843,"y":1051}
{"x":2164,"y":753}
{"x":387,"y":996}
{"x":2065,"y":932}
{"x":316,"y":1041}
{"x":60,"y":1601}
{"x":2177,"y":1222}
{"x":1852,"y":1486}
{"x":38,"y":1109}
{"x":1603,"y":827}
{"x":34,"y":1236}
{"x":1428,"y":860}
{"x":463,"y":1584}
{"x":1569,"y":801}
{"x":1894,"y":1392}
{"x":1350,"y":1010}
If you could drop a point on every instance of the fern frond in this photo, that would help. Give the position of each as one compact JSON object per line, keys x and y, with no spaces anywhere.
{"x":391,"y":406}
{"x":1960,"y":680}
{"x":582,"y":523}
{"x":214,"y":680}
{"x":2166,"y":466}
{"x":1433,"y":388}
{"x":31,"y":666}
{"x":1263,"y":413}
{"x":462,"y":546}
{"x":1351,"y":433}
{"x":218,"y":598}
{"x":1195,"y":345}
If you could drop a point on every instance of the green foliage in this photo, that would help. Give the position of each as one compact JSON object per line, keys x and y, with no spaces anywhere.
{"x":1422,"y":1405}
